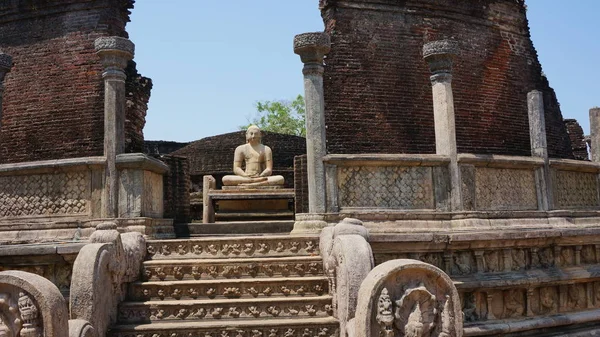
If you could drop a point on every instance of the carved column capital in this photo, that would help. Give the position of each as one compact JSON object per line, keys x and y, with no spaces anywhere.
{"x":440,"y":55}
{"x":114,"y":54}
{"x":312,"y":47}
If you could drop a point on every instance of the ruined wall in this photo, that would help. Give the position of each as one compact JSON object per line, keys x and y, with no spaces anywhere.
{"x":300,"y":184}
{"x":137,"y":91}
{"x":53,"y":101}
{"x":578,"y":143}
{"x":176,"y":187}
{"x":377,"y":89}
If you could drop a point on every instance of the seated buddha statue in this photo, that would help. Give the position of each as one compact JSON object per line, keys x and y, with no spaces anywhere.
{"x":258,"y":161}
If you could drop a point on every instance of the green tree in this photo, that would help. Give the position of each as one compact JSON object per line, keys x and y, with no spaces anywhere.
{"x":282,"y":116}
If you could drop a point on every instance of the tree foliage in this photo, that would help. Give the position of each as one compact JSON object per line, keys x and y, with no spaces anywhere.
{"x":287,"y":117}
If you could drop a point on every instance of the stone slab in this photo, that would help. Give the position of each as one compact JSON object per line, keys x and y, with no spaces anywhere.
{"x":234,"y":227}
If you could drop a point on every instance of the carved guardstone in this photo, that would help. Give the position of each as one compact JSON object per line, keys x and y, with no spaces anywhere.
{"x":423,"y":299}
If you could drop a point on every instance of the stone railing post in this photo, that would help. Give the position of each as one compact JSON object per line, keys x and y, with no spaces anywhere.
{"x":539,"y":148}
{"x":5,"y":66}
{"x":312,"y":48}
{"x":595,"y":134}
{"x":440,"y":57}
{"x":114,"y":53}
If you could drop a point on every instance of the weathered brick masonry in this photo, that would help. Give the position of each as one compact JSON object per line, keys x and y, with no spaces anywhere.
{"x":578,"y":141}
{"x":377,"y":89}
{"x":53,"y":101}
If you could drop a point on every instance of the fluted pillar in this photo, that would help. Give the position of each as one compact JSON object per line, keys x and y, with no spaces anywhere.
{"x":5,"y":66}
{"x":312,"y":48}
{"x":114,"y":53}
{"x":440,"y":55}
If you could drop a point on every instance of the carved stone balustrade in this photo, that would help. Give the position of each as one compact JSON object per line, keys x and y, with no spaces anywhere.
{"x":60,"y":199}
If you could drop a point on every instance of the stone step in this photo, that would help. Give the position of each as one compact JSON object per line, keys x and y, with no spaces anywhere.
{"x":233,"y":228}
{"x":308,"y":327}
{"x":232,"y":247}
{"x":211,"y":269}
{"x":218,"y":289}
{"x":225,"y":309}
{"x":254,"y":216}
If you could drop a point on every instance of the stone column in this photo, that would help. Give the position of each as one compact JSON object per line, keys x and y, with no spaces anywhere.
{"x":312,"y":48}
{"x":440,"y":57}
{"x":595,"y":134}
{"x":114,"y":53}
{"x":5,"y":66}
{"x":539,"y":147}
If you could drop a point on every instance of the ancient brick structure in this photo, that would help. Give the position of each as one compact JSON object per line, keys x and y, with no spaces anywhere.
{"x":300,"y":184}
{"x":578,"y":142}
{"x":214,"y":155}
{"x":377,"y":92}
{"x":53,"y":101}
{"x":176,"y":188}
{"x":158,"y":147}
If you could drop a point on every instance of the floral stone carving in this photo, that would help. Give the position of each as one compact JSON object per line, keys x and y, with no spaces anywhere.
{"x":422,"y":298}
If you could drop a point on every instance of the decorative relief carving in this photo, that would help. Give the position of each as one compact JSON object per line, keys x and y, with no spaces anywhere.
{"x":129,"y":313}
{"x":423,"y":300}
{"x":386,"y":187}
{"x":510,"y":259}
{"x":195,"y":291}
{"x":505,"y":189}
{"x":45,"y":194}
{"x":514,"y":303}
{"x":30,"y":316}
{"x":231,"y":270}
{"x":295,"y":331}
{"x":10,"y":320}
{"x":548,"y":300}
{"x":575,"y":189}
{"x":225,"y":248}
{"x":385,"y":317}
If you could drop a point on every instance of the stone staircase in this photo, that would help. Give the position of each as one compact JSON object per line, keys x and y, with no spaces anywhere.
{"x":246,"y":286}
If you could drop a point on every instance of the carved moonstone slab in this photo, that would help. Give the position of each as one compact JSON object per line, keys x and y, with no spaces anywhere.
{"x":408,"y":298}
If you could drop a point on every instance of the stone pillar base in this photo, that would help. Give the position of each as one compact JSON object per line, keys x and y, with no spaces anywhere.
{"x":308,"y":223}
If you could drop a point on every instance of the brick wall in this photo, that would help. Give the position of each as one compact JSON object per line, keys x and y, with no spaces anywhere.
{"x":377,"y":89}
{"x":137,"y":91}
{"x":53,"y":101}
{"x":578,"y":142}
{"x":176,"y":189}
{"x":300,"y":184}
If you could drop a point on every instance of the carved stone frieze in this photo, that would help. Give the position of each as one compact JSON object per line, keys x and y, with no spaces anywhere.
{"x":251,"y":247}
{"x":45,"y":194}
{"x":465,"y":262}
{"x":145,"y":312}
{"x":191,"y":290}
{"x":318,"y":330}
{"x":386,"y":187}
{"x":233,"y":269}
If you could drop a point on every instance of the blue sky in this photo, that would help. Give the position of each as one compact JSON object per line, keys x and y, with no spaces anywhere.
{"x":211,"y":60}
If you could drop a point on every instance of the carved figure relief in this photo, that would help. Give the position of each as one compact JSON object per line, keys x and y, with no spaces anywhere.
{"x":566,"y":256}
{"x":546,"y":257}
{"x":463,"y":263}
{"x":492,"y":262}
{"x":519,"y":260}
{"x":417,"y":308}
{"x":514,"y":303}
{"x":576,"y":298}
{"x":385,"y":317}
{"x":548,"y":300}
{"x":470,"y":308}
